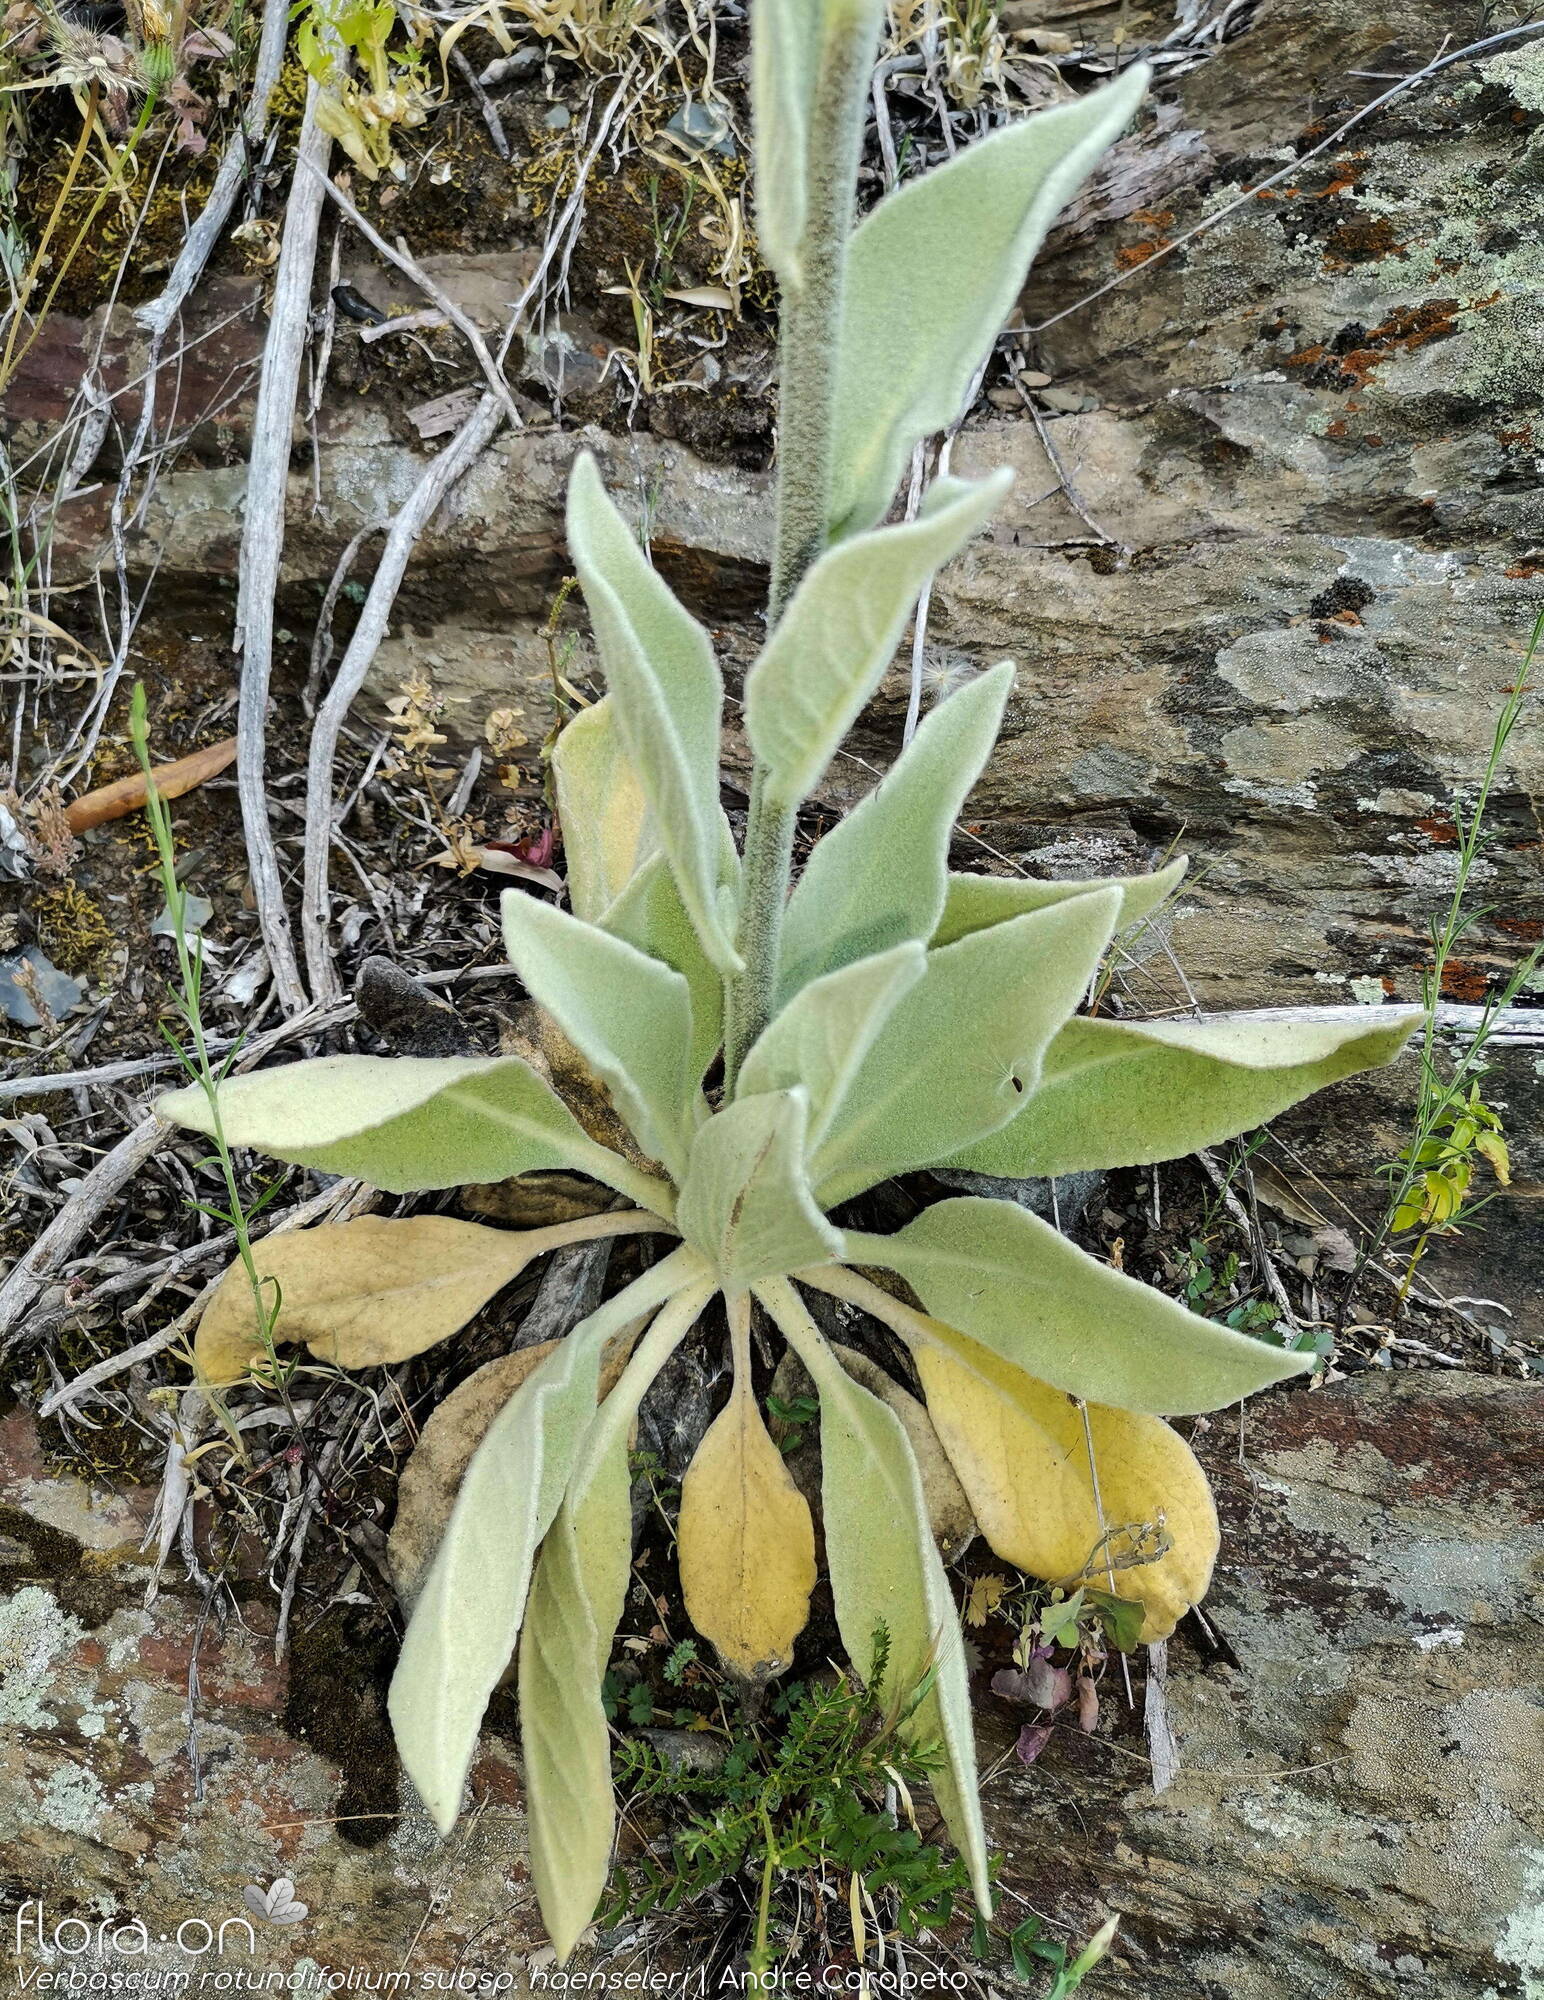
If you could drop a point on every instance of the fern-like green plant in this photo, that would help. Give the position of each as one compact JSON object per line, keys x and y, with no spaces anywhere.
{"x":886,"y":1015}
{"x":802,"y":1797}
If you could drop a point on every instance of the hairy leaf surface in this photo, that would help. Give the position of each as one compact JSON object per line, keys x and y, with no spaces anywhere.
{"x":832,"y":645}
{"x":746,"y":1202}
{"x":878,"y":877}
{"x":933,"y":272}
{"x":819,"y":1040}
{"x":576,"y":1604}
{"x":650,"y":915}
{"x":1015,"y":1284}
{"x":468,"y":1616}
{"x":886,"y":1573}
{"x":405,"y":1123}
{"x":785,"y":59}
{"x":665,"y":682}
{"x":1123,"y":1094}
{"x":377,"y":1290}
{"x":608,"y":832}
{"x":431,"y":1479}
{"x":630,"y":1016}
{"x":948,"y":1510}
{"x":962,"y":1050}
{"x":976,"y":901}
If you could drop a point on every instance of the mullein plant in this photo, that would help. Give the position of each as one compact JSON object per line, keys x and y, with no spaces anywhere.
{"x":773,"y":1055}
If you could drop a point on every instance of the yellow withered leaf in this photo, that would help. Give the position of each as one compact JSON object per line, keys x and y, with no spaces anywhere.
{"x":746,"y":1542}
{"x":375,"y":1290}
{"x":607,"y":828}
{"x":1020,"y":1450}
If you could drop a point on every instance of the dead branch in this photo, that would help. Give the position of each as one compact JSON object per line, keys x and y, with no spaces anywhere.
{"x":114,"y":1171}
{"x":234,"y":167}
{"x":405,"y":262}
{"x":412,"y":518}
{"x":262,"y":540}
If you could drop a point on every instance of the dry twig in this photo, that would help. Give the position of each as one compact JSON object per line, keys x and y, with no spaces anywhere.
{"x":414,"y":515}
{"x":262,"y":540}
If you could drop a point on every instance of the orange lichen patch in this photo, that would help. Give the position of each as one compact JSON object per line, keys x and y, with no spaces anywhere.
{"x":1525,"y":569}
{"x":1133,"y":254}
{"x":1363,"y":240}
{"x":1343,"y":178}
{"x":1336,"y":429}
{"x":1462,"y":981}
{"x":1402,"y":332}
{"x":1440,"y":832}
{"x":1520,"y":439}
{"x":1406,"y":329}
{"x":1154,"y":218}
{"x":1527,"y":928}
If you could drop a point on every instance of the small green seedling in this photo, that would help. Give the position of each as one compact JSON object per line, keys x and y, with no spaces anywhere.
{"x":775,"y":1055}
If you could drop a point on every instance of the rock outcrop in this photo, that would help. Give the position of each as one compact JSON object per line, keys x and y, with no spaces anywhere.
{"x":1357,"y":1810}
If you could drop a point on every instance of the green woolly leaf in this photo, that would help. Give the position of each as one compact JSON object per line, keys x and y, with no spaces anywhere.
{"x":745,"y":1202}
{"x":962,"y":1050}
{"x":405,"y":1123}
{"x":565,"y":1739}
{"x":878,"y":877}
{"x":820,"y":1038}
{"x":665,"y":683}
{"x":1124,"y":1094}
{"x":977,"y":901}
{"x":608,"y":833}
{"x":628,"y":1014}
{"x":832,"y":645}
{"x":785,"y":62}
{"x":933,"y":272}
{"x":577,"y":1597}
{"x":467,"y":1616}
{"x":650,"y":915}
{"x":886,"y":1575}
{"x":992,"y":1270}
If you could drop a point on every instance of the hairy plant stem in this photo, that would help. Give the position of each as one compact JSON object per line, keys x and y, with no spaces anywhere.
{"x":768,"y":865}
{"x":811,"y":324}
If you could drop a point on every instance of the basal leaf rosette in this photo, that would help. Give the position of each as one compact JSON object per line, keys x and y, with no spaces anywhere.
{"x":1047,"y":1376}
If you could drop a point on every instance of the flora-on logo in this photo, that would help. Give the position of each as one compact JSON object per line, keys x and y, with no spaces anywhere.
{"x":275,"y":1905}
{"x":71,"y":1937}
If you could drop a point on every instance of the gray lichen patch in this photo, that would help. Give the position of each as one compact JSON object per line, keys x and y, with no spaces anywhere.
{"x":35,"y":1634}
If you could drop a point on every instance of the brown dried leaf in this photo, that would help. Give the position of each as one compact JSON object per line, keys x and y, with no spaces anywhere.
{"x":368,"y":1292}
{"x":948,"y":1510}
{"x":432,"y":1477}
{"x":127,"y":795}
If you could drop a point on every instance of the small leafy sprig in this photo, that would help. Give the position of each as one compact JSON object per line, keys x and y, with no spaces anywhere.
{"x":1455,"y":1127}
{"x":206,"y":1076}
